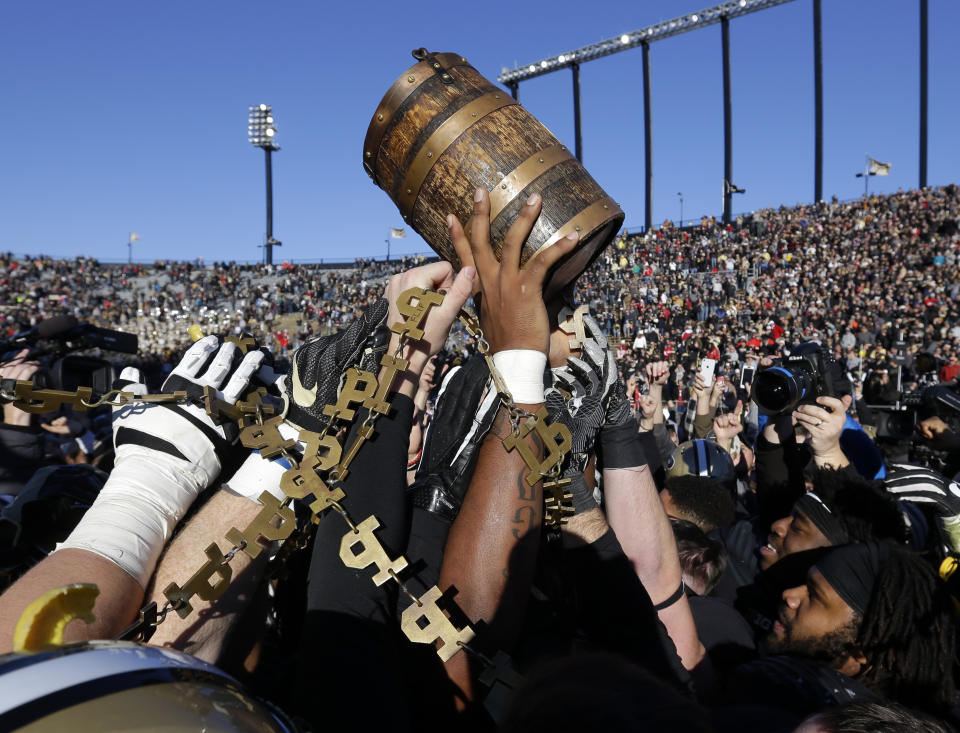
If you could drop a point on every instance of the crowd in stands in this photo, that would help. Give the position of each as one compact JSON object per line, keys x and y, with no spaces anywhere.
{"x":856,"y":276}
{"x":730,"y":559}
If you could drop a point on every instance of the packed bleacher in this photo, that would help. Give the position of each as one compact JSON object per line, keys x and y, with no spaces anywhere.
{"x":730,"y":503}
{"x":856,"y":276}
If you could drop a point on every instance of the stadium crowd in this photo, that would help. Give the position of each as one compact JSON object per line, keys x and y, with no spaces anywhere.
{"x":734,"y":557}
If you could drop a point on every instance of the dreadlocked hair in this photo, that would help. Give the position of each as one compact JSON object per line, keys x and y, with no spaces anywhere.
{"x":864,"y":508}
{"x":908,"y":634}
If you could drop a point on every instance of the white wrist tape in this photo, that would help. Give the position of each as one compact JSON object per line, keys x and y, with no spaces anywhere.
{"x":522,"y":371}
{"x":257,"y":474}
{"x":135,"y":513}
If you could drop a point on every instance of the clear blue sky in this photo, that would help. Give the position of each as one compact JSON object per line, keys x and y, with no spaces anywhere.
{"x":124,"y":116}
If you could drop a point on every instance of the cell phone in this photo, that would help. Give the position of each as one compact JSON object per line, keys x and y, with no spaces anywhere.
{"x":707,"y":367}
{"x":746,"y":376}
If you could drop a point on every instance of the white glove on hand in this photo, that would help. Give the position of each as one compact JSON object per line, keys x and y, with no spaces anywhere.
{"x":165,"y":456}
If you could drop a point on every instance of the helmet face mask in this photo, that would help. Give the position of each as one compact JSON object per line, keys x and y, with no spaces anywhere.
{"x":702,"y":458}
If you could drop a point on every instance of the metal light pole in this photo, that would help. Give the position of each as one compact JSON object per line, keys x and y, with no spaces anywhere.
{"x":680,"y":194}
{"x":727,"y":120}
{"x":577,"y":135}
{"x":261,"y":132}
{"x":817,"y":104}
{"x":647,"y":143}
{"x":924,"y":84}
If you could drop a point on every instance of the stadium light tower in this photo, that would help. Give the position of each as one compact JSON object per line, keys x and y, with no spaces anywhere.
{"x":262,"y":133}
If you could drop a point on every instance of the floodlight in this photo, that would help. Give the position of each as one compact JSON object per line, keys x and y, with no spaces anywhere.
{"x":658,"y":31}
{"x":262,"y":127}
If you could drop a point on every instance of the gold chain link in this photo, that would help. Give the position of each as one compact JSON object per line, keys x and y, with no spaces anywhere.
{"x":423,"y":621}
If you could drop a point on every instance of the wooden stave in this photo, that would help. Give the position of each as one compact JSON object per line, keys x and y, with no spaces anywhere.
{"x":406,"y":85}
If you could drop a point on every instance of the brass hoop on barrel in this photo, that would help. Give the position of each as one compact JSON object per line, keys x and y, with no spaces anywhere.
{"x":585,"y":222}
{"x":441,"y":139}
{"x":517,"y":180}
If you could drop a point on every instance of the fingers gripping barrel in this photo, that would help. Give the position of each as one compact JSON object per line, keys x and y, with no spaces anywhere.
{"x":443,"y":130}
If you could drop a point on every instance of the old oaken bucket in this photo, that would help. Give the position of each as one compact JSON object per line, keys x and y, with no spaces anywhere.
{"x":443,"y":130}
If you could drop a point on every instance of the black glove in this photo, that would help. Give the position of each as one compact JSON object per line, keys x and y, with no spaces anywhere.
{"x":620,"y":443}
{"x":588,"y":380}
{"x":314,"y":380}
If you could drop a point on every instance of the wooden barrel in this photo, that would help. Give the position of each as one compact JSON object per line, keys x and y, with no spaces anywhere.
{"x":443,"y":130}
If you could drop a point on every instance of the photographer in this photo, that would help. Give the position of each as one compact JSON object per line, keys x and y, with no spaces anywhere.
{"x":22,"y":441}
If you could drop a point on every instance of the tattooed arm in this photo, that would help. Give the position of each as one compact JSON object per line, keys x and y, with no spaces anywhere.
{"x":492,"y":547}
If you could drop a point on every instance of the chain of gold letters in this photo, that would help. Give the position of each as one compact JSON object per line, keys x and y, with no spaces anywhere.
{"x":317,"y":479}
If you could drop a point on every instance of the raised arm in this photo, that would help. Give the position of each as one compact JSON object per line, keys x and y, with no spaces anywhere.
{"x":640,"y":523}
{"x":491,"y":551}
{"x":165,"y":458}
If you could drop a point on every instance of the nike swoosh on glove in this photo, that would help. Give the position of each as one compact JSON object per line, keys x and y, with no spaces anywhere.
{"x":314,"y":379}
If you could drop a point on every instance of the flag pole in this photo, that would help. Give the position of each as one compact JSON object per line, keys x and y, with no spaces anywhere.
{"x":387,"y":241}
{"x":866,"y":176}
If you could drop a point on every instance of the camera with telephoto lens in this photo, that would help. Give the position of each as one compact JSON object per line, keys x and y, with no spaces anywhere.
{"x":52,"y":343}
{"x":798,"y":380}
{"x":898,"y":422}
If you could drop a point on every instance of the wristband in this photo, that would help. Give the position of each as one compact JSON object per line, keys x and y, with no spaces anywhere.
{"x":621,"y":446}
{"x":522,"y":373}
{"x":411,"y":464}
{"x":677,"y":595}
{"x":256,"y":475}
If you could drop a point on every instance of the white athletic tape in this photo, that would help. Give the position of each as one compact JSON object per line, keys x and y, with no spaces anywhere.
{"x":522,"y":371}
{"x":133,"y":517}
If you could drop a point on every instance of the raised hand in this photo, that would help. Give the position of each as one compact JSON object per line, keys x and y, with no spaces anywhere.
{"x":512,"y":311}
{"x":658,"y":372}
{"x":824,"y":422}
{"x":435,"y":276}
{"x":726,"y":427}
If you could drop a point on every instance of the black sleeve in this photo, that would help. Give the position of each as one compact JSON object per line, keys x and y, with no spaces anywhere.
{"x":349,"y":631}
{"x":617,"y":614}
{"x":779,"y":476}
{"x":21,"y":454}
{"x":375,"y":486}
